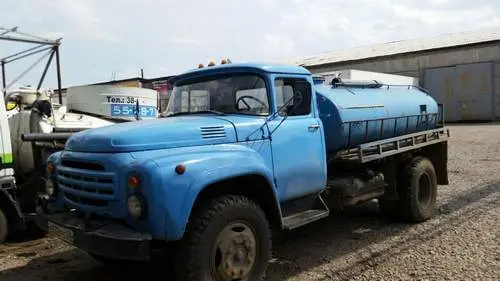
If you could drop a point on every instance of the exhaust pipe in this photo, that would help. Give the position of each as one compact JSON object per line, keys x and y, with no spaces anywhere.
{"x":45,"y":136}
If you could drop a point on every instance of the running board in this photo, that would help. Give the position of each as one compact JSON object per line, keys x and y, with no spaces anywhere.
{"x":304,"y":210}
{"x":302,"y":218}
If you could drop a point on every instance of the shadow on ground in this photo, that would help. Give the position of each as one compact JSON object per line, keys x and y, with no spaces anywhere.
{"x":296,"y":252}
{"x":473,"y":123}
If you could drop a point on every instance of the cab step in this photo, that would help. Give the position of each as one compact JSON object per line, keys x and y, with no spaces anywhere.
{"x":304,"y":210}
{"x":302,"y":218}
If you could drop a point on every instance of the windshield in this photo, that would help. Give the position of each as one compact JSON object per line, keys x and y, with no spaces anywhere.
{"x":240,"y":94}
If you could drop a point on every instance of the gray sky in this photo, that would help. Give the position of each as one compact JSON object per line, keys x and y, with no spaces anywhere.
{"x":166,"y":37}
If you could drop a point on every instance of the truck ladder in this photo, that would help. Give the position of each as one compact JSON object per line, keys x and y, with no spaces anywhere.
{"x":380,"y":149}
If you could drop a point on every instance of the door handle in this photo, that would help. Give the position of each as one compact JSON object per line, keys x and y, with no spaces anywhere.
{"x":314,"y":126}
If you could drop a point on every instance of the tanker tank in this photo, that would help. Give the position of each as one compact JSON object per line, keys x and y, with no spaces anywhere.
{"x":360,"y":112}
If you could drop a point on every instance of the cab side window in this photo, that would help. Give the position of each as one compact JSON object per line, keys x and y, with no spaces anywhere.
{"x":293,"y":96}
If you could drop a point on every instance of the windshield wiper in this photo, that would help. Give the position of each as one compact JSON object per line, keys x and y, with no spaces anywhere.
{"x":196,"y":112}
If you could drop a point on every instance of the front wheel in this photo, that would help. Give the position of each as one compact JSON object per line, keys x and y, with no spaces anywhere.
{"x":227,"y":239}
{"x":418,"y":190}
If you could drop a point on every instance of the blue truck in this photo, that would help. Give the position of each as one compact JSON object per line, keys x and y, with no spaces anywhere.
{"x":244,"y":150}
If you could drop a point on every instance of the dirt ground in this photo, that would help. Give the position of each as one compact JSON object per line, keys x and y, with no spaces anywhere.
{"x":461,"y":243}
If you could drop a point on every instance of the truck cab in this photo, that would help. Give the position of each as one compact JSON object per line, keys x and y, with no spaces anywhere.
{"x":240,"y":151}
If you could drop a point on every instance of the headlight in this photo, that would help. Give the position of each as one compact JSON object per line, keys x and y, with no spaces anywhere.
{"x":50,"y":187}
{"x":135,"y":206}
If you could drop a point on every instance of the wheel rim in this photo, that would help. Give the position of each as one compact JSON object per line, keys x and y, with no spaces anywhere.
{"x":234,"y":253}
{"x":424,"y":190}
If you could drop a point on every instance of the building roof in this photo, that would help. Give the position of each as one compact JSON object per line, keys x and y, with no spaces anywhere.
{"x":402,"y":47}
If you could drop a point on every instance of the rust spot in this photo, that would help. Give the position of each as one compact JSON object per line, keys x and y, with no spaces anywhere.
{"x":464,"y":78}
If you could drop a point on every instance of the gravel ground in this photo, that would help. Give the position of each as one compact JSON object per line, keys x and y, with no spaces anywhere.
{"x":461,"y":243}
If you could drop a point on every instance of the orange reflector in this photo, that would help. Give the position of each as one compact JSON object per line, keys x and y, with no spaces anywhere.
{"x":50,"y":168}
{"x":180,"y":169}
{"x":133,"y":181}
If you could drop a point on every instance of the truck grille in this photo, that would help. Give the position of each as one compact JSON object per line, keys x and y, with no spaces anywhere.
{"x":86,"y":201}
{"x":83,"y":165}
{"x":85,"y":183}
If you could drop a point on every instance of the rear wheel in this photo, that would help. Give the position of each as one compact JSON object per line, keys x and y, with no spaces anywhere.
{"x":228,"y":239}
{"x":4,"y":227}
{"x":418,"y":190}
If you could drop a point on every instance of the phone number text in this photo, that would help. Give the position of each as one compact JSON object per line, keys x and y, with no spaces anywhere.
{"x":125,"y":110}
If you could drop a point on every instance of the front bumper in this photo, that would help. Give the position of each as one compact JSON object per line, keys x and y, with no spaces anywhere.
{"x":97,"y":237}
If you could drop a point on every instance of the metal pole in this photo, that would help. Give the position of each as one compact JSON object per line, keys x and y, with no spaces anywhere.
{"x":22,"y":52}
{"x":45,"y":70}
{"x":27,"y":70}
{"x":27,"y":55}
{"x":8,"y":30}
{"x":8,"y":38}
{"x":3,"y":79}
{"x":58,"y":70}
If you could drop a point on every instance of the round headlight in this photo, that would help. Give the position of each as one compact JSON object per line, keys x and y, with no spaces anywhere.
{"x":135,"y":206}
{"x":50,"y":187}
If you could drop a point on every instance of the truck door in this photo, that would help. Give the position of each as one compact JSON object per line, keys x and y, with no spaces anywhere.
{"x":297,"y":141}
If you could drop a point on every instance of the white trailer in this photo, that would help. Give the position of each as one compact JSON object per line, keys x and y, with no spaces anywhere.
{"x":361,"y":75}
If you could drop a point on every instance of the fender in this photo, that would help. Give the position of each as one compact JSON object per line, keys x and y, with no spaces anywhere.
{"x":54,"y":157}
{"x":204,"y":166}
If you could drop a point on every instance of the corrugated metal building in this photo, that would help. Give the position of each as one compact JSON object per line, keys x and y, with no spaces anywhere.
{"x":461,"y":70}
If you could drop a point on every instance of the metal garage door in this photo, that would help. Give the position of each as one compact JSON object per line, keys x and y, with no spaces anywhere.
{"x":465,"y":90}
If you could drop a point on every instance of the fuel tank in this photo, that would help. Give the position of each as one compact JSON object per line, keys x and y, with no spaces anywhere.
{"x":357,"y":112}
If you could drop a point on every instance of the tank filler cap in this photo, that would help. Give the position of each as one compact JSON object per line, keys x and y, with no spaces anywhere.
{"x":335,"y":81}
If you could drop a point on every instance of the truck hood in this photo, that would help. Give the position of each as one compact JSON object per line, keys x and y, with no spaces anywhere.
{"x":154,"y":134}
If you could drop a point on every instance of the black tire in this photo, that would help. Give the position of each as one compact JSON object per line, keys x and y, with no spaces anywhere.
{"x":4,"y":227}
{"x":418,"y":190}
{"x":248,"y":242}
